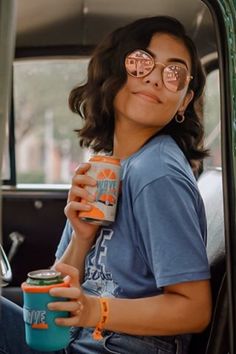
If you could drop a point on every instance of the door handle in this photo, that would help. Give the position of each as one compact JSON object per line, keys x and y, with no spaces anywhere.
{"x":17,"y":239}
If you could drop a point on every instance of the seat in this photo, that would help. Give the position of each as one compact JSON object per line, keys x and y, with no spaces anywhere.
{"x":214,"y":339}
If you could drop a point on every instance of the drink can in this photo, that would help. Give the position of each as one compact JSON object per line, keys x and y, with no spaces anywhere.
{"x":106,"y":171}
{"x":42,"y":333}
{"x":44,"y":277}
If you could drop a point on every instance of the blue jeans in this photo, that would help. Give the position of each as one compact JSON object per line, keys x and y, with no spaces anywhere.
{"x":12,"y":339}
{"x":12,"y":330}
{"x":119,"y":343}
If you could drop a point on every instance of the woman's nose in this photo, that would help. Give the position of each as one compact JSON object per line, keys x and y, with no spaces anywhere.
{"x":155,"y":77}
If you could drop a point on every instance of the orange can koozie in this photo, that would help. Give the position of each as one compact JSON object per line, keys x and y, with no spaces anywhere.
{"x":106,"y":171}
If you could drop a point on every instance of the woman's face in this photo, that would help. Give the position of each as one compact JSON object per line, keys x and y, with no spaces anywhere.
{"x":145,"y":101}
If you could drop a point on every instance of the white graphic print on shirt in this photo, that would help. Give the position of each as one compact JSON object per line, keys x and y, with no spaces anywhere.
{"x":98,"y":280}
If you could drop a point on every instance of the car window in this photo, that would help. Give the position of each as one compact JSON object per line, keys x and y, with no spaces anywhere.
{"x":212,"y":120}
{"x":47,"y":148}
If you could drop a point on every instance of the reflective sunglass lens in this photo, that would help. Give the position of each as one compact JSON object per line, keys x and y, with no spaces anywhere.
{"x":139,"y":63}
{"x":174,"y":77}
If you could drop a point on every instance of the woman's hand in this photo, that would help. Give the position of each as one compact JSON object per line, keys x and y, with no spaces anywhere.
{"x":84,"y":310}
{"x":76,"y":194}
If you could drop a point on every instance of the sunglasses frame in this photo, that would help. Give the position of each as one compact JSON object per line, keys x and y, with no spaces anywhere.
{"x":155,"y":63}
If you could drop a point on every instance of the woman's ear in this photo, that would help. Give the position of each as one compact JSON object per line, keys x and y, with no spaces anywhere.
{"x":187,"y":99}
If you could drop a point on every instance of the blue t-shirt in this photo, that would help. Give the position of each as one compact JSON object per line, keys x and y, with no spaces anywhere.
{"x":159,"y":235}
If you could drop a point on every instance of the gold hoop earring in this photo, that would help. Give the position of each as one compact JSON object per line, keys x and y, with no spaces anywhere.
{"x":179,"y":118}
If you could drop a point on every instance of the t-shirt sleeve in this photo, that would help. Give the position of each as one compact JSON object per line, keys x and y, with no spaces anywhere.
{"x":65,"y":240}
{"x":171,"y":226}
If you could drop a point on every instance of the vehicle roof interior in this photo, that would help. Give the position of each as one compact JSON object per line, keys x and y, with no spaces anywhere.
{"x":63,"y":23}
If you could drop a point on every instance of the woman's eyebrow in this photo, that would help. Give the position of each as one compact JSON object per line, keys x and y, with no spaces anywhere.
{"x":178,"y":60}
{"x":170,"y":60}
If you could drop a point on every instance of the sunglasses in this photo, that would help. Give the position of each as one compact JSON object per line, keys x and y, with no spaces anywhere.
{"x":140,"y":63}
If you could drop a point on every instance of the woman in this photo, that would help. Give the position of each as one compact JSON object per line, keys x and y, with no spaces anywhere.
{"x":145,"y":278}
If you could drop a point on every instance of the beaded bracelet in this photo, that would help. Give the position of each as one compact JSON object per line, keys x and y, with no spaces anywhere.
{"x":97,"y":333}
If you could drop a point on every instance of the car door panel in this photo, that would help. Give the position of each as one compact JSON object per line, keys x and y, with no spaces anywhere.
{"x":39,"y":218}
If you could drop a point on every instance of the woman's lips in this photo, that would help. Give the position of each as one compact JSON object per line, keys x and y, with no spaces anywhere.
{"x":147,"y":96}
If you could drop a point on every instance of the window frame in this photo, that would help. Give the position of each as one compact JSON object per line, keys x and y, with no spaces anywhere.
{"x":211,"y":63}
{"x":11,"y":147}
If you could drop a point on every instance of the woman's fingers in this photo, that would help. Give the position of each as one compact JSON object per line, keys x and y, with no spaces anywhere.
{"x":80,"y":176}
{"x":68,"y":306}
{"x":74,"y":307}
{"x":82,"y":168}
{"x":68,"y":270}
{"x":82,"y":180}
{"x":79,"y":181}
{"x":76,"y":193}
{"x":67,"y":321}
{"x":75,"y":298}
{"x":69,"y":293}
{"x":76,"y":207}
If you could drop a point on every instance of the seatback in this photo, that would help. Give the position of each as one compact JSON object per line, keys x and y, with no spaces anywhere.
{"x":210,"y":186}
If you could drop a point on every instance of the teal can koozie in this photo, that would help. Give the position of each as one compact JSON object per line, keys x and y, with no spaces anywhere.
{"x":41,"y":331}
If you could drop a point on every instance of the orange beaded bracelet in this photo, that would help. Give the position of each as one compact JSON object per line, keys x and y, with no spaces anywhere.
{"x":97,"y":333}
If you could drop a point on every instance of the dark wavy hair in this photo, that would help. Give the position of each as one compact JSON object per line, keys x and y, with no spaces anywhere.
{"x":107,"y":74}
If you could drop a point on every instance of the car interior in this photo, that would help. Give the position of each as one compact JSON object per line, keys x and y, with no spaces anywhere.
{"x":57,"y":37}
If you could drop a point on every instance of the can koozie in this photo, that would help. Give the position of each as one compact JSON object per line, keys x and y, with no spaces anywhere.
{"x":42,"y":333}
